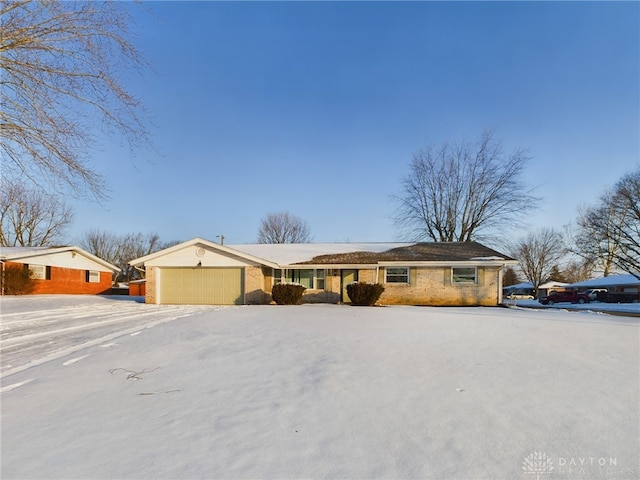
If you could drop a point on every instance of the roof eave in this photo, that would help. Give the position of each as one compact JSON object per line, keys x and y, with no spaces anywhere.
{"x":445,"y":263}
{"x":212,"y":245}
{"x":398,"y":263}
{"x":50,"y":251}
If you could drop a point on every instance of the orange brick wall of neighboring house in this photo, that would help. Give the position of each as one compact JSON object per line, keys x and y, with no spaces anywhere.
{"x":137,"y":289}
{"x":71,"y":281}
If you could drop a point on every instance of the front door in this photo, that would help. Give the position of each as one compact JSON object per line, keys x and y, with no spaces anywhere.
{"x":347,"y":277}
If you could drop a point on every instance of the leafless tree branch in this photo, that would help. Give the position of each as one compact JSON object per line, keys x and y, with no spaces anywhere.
{"x":463,"y":192}
{"x":31,"y":217}
{"x":63,"y":64}
{"x":538,"y":253}
{"x":283,"y":227}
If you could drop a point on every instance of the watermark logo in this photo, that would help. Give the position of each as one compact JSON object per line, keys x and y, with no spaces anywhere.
{"x":537,"y":463}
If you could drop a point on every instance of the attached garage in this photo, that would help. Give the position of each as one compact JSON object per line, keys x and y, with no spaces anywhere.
{"x":202,"y":272}
{"x":201,"y":286}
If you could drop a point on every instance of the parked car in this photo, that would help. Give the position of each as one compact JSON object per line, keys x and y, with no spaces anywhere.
{"x":568,"y":296}
{"x":519,"y":296}
{"x":593,"y":293}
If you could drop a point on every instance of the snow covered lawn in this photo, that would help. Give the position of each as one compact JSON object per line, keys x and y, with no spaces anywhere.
{"x":315,"y":391}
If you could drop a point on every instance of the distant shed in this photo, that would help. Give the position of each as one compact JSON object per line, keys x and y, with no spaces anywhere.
{"x":137,"y":288}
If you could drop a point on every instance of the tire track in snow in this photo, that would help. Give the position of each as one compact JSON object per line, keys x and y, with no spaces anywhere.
{"x":69,"y":330}
{"x":8,"y":388}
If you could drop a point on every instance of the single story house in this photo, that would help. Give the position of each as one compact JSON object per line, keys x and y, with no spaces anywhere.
{"x":543,"y":290}
{"x":60,"y":269}
{"x":549,"y":287}
{"x":625,"y":283}
{"x":442,"y":273}
{"x":525,"y":288}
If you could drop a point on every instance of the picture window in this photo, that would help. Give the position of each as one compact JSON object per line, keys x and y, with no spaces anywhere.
{"x":313,"y":279}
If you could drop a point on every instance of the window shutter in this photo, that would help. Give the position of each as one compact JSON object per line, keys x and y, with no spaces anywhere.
{"x":86,"y":276}
{"x":47,"y":275}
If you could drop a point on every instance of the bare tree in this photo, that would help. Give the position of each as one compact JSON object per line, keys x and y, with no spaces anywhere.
{"x":102,"y":244}
{"x":135,"y":245}
{"x":121,"y":249}
{"x":609,"y":233}
{"x":283,"y":227}
{"x":626,"y":204}
{"x":63,"y":65}
{"x":31,"y":217}
{"x":597,"y":239}
{"x":578,"y":270}
{"x":538,"y":254}
{"x":461,"y":192}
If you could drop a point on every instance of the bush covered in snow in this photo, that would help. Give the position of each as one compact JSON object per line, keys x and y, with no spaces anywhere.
{"x":287,"y":293}
{"x":362,"y":293}
{"x":16,"y":280}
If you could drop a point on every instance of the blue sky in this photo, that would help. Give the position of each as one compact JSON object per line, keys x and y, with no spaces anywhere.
{"x":317,"y":107}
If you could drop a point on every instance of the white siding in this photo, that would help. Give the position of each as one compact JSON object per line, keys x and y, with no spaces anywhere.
{"x":192,"y":255}
{"x":65,"y":260}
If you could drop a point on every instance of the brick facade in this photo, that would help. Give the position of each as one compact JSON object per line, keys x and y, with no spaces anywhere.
{"x":137,"y":288}
{"x":150,"y":290}
{"x":436,"y":273}
{"x":69,"y":281}
{"x":255,"y":285}
{"x":432,"y":286}
{"x":427,"y":286}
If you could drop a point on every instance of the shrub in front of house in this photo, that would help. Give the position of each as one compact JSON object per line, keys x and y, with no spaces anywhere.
{"x":287,"y":293}
{"x":364,"y":294}
{"x":16,"y":280}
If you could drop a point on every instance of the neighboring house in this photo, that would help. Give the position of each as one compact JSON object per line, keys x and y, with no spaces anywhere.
{"x":612,"y":283}
{"x":543,"y":290}
{"x":522,"y":288}
{"x":546,"y":288}
{"x":61,"y":269}
{"x":203,"y":272}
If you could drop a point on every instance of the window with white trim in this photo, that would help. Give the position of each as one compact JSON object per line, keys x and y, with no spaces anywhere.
{"x":93,"y":276}
{"x":311,"y":278}
{"x":396,"y":275}
{"x":40,"y":272}
{"x":464,"y":275}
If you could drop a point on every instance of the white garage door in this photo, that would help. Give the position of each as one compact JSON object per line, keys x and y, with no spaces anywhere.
{"x":201,"y":286}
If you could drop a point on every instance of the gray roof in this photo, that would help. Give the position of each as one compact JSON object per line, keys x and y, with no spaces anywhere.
{"x":609,"y":281}
{"x":419,"y":252}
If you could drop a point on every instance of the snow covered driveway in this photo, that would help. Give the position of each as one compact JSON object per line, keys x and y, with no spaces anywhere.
{"x":36,"y":329}
{"x":327,"y":391}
